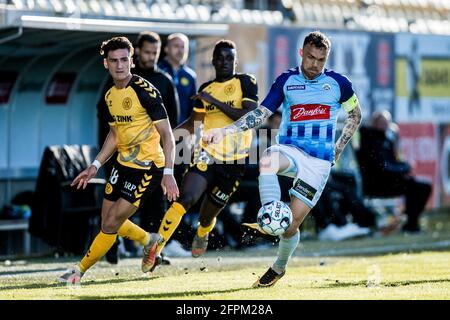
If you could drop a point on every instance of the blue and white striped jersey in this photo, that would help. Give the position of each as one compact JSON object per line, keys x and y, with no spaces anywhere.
{"x":310,"y":108}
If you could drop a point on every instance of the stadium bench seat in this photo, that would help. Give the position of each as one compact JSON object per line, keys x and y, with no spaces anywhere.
{"x":19,"y":224}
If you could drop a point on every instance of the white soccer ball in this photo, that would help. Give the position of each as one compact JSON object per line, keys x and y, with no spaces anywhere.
{"x":275,"y":217}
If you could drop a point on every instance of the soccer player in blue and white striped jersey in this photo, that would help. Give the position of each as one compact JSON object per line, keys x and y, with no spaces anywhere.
{"x":310,"y":98}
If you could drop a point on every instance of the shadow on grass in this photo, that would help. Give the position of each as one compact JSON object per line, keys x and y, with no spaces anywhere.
{"x":375,"y":251}
{"x":84,"y":284}
{"x":364,"y":283}
{"x":163,"y":295}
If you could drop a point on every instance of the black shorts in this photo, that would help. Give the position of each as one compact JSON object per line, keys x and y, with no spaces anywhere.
{"x":223,"y":179}
{"x":133,"y":185}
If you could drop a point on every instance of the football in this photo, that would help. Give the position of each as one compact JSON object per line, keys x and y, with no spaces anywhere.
{"x":275,"y":217}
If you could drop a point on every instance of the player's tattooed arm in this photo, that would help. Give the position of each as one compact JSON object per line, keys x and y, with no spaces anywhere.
{"x":351,"y":124}
{"x":250,"y":120}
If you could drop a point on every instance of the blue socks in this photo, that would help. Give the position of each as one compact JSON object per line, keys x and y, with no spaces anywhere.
{"x":286,"y":248}
{"x":269,"y":188}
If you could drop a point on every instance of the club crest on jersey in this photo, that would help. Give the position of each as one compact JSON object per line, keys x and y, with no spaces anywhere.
{"x":326,"y":86}
{"x":184,"y":81}
{"x":302,"y":112}
{"x":230,"y":89}
{"x":127,"y":103}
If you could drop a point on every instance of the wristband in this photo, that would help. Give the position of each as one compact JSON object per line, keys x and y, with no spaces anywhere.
{"x":96,"y":164}
{"x":168,"y":171}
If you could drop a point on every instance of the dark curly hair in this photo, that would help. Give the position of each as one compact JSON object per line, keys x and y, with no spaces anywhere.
{"x":114,"y":44}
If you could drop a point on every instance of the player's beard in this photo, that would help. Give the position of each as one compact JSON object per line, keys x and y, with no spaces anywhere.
{"x":308,"y":73}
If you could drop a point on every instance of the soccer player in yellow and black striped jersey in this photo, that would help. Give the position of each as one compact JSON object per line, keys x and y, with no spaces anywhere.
{"x":138,"y":121}
{"x":218,"y":103}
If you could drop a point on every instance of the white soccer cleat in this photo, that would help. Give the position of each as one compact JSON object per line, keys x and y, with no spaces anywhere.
{"x":71,"y":276}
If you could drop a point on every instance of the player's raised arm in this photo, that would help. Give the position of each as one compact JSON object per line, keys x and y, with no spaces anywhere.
{"x":250,"y":120}
{"x":255,"y":117}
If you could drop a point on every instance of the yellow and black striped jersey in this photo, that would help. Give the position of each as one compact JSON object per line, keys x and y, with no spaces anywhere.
{"x":232,"y":92}
{"x":134,"y":110}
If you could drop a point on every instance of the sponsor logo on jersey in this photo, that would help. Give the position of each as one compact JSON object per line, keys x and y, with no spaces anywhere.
{"x":296,"y":87}
{"x":211,"y":107}
{"x":129,"y":186}
{"x":220,"y":195}
{"x":121,"y":119}
{"x":127,"y":103}
{"x":302,"y":112}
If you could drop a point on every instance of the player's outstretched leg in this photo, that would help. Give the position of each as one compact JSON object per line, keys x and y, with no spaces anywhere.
{"x":101,"y":244}
{"x":170,"y":222}
{"x":272,"y":163}
{"x":287,"y":245}
{"x":269,"y":188}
